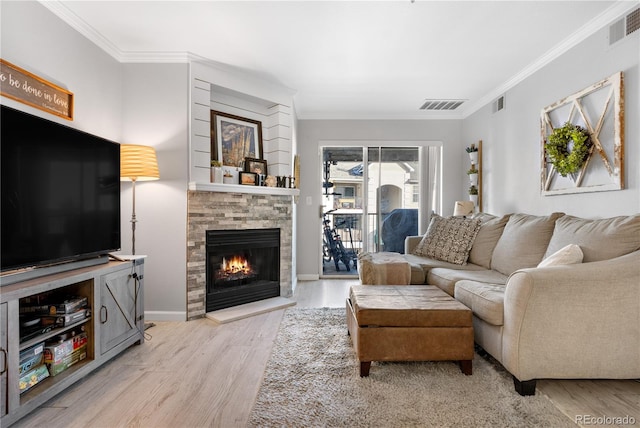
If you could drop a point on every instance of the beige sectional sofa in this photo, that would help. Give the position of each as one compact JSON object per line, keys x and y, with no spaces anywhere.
{"x":563,"y":321}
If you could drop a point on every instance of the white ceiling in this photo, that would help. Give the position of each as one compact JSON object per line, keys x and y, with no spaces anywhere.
{"x":359,"y":59}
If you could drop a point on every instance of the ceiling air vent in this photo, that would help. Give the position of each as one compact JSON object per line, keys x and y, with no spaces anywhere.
{"x":624,"y":26}
{"x":441,"y":104}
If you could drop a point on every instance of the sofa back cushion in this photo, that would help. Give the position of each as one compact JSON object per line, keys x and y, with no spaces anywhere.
{"x":448,"y":239}
{"x":523,"y":243}
{"x":600,"y":239}
{"x":491,"y":228}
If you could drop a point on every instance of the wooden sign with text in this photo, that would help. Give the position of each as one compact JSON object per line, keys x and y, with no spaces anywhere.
{"x":27,"y":88}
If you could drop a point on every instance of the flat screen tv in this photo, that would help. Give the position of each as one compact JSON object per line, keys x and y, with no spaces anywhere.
{"x":60,"y":192}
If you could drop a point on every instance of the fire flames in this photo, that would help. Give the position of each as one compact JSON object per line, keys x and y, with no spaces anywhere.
{"x":235,"y":270}
{"x":235,"y":265}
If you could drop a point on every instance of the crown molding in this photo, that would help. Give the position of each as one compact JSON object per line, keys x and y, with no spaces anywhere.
{"x":614,"y":12}
{"x":618,"y":9}
{"x":75,"y":22}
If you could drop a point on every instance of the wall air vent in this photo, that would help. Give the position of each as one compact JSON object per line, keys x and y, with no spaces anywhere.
{"x":624,"y":26}
{"x":441,"y":104}
{"x":499,"y":104}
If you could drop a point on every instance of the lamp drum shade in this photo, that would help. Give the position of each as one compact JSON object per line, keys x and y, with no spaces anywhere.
{"x":138,"y":163}
{"x":463,"y":208}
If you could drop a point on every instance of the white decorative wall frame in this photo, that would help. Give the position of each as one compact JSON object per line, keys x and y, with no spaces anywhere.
{"x":600,"y":110}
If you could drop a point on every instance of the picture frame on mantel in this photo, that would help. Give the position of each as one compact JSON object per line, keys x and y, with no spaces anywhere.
{"x":234,"y":138}
{"x":259,"y":166}
{"x":248,"y":178}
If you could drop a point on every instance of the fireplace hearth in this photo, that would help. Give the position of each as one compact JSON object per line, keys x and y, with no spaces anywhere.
{"x":242,"y":266}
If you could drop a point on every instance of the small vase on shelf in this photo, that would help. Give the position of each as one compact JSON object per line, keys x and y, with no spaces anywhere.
{"x":216,"y":171}
{"x":473,"y":176}
{"x":216,"y":174}
{"x":473,"y":154}
{"x":473,"y":195}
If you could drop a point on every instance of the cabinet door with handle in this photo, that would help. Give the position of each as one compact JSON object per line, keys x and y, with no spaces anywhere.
{"x":118,"y":314}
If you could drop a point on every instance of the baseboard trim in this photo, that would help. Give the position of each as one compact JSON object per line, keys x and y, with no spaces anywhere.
{"x":164,"y":316}
{"x":308,"y":277}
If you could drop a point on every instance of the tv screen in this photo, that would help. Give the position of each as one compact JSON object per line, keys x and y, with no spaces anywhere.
{"x":60,"y":192}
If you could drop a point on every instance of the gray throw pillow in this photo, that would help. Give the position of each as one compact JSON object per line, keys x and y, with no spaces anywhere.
{"x":448,"y":239}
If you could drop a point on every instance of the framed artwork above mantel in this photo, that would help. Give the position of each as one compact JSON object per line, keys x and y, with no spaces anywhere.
{"x":234,"y":138}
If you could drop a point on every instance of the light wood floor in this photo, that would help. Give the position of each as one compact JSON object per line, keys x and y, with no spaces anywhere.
{"x":199,"y":374}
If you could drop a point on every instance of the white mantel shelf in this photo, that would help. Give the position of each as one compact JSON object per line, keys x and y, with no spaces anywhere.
{"x":238,"y":188}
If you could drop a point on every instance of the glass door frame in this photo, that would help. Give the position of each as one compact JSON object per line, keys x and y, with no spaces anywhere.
{"x":430,"y":204}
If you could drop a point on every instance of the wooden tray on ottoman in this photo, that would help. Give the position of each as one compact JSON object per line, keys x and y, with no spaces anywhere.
{"x":408,"y":323}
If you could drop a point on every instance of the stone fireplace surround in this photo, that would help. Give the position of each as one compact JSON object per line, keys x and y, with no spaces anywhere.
{"x":208,"y":210}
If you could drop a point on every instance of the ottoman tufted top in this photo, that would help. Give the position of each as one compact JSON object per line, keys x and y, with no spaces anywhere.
{"x":407,"y":306}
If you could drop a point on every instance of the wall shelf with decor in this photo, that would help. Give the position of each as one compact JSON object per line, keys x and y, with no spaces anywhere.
{"x":475,"y":175}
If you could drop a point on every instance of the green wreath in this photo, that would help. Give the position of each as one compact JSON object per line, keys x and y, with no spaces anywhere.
{"x":564,"y":161}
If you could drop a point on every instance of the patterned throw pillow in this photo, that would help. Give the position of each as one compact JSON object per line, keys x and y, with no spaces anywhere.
{"x":448,"y":239}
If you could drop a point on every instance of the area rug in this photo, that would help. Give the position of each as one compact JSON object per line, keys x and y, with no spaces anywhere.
{"x":312,"y":380}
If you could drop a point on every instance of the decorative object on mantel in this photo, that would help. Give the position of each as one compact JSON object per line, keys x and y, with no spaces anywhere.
{"x":234,"y":138}
{"x":475,"y":174}
{"x":296,"y":170}
{"x":259,"y":166}
{"x":248,"y":178}
{"x":217,"y":173}
{"x":230,"y":175}
{"x":270,"y":181}
{"x":583,"y":140}
{"x":27,"y":88}
{"x":463,"y":208}
{"x":137,"y":163}
{"x":286,"y":182}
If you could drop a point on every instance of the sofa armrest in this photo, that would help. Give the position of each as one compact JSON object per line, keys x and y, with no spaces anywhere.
{"x":411,"y":242}
{"x":574,"y":321}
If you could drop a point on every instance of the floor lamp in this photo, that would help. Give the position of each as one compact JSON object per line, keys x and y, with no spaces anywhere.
{"x":137,"y":163}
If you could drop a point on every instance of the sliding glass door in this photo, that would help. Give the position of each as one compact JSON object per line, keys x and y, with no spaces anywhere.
{"x":373,"y":197}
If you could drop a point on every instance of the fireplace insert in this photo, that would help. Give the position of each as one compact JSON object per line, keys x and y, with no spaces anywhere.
{"x":243,"y":266}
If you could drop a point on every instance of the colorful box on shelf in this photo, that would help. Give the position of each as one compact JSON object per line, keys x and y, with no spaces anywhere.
{"x":31,"y":357}
{"x":56,"y":352}
{"x":32,"y":378}
{"x":57,"y":367}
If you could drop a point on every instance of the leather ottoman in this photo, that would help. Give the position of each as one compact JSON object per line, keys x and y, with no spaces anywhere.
{"x":408,"y":323}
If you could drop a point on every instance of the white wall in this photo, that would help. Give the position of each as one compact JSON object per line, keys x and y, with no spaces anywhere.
{"x":127,"y":103}
{"x":511,"y":137}
{"x":36,"y":40}
{"x":312,"y":132}
{"x":155,"y":113}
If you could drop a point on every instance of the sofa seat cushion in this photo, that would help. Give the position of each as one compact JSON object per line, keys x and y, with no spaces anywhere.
{"x":600,"y":239}
{"x":486,"y":301}
{"x":523,"y":243}
{"x":446,"y":279}
{"x":420,"y":266}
